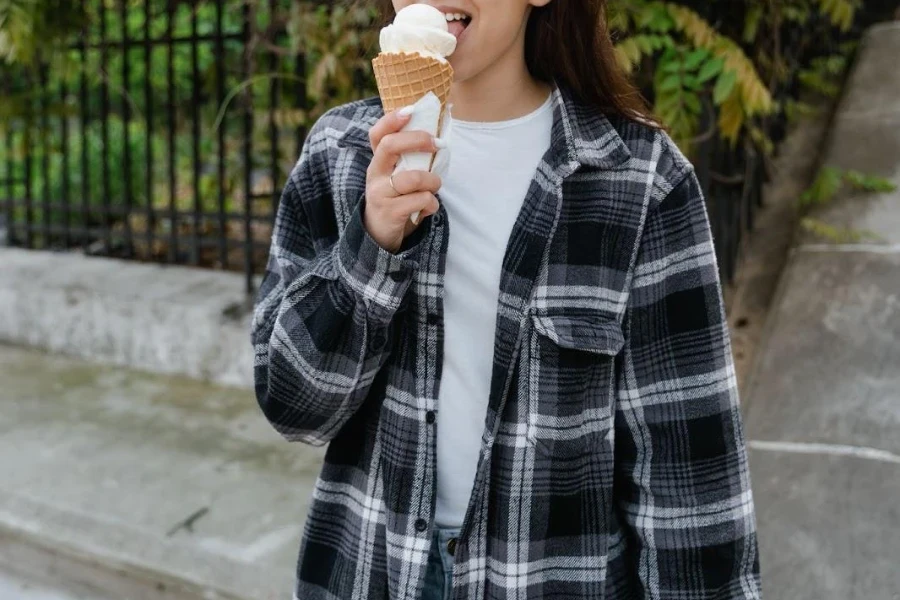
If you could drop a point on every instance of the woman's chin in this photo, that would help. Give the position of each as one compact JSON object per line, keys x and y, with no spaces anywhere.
{"x":462,"y":66}
{"x":460,"y":72}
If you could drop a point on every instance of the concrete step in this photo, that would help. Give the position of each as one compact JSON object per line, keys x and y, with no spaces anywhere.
{"x":823,"y":401}
{"x":133,"y":485}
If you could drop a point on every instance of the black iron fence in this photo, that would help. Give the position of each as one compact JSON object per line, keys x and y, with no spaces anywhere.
{"x":166,"y":132}
{"x":732,"y":179}
{"x":161,"y":135}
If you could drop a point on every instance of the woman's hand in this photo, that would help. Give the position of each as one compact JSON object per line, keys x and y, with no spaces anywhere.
{"x":388,"y":208}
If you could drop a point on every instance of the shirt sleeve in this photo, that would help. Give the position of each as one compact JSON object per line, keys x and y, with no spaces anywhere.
{"x":323,"y":317}
{"x":682,"y":483}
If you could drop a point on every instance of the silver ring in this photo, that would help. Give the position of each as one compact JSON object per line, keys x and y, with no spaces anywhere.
{"x":391,"y":179}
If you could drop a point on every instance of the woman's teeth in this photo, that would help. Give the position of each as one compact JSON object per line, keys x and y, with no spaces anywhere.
{"x":455,"y":17}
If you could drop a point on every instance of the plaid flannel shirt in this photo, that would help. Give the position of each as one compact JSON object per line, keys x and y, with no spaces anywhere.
{"x":612,"y":461}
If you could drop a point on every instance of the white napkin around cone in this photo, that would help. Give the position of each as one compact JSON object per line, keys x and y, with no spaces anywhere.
{"x":425,"y":117}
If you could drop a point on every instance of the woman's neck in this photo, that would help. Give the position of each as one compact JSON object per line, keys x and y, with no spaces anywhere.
{"x":503,"y":91}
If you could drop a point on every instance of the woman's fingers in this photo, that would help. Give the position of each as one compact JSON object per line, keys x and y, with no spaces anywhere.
{"x":389,"y":123}
{"x":389,"y":204}
{"x":403,"y":206}
{"x":407,"y":182}
{"x":394,"y":145}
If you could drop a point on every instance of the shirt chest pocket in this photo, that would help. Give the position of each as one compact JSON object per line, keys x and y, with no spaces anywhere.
{"x":570,"y":381}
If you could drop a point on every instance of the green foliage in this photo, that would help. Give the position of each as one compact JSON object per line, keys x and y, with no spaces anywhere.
{"x":841,"y":12}
{"x":337,"y":43}
{"x":671,"y":48}
{"x":824,"y":187}
{"x":26,"y":25}
{"x":795,"y":110}
{"x":689,"y":64}
{"x":824,"y":74}
{"x":836,"y":235}
{"x":830,"y":180}
{"x":868,"y":183}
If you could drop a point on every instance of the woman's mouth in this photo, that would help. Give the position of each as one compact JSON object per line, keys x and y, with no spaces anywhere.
{"x":457,"y":22}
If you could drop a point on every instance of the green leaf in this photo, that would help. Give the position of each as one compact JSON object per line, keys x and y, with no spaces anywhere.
{"x":724,"y":86}
{"x":823,"y":188}
{"x":710,"y":69}
{"x":672,"y":82}
{"x":692,"y":83}
{"x":869,"y":183}
{"x":670,"y":55}
{"x":837,"y":235}
{"x":654,"y":17}
{"x":673,"y":66}
{"x":668,"y":102}
{"x":751,"y":23}
{"x":695,"y":58}
{"x":645,"y":43}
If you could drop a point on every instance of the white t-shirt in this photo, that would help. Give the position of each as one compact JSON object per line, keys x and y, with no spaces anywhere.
{"x":491,"y":167}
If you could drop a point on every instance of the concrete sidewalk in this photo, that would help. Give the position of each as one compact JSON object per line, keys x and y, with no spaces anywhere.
{"x":823,"y":401}
{"x":145,"y":486}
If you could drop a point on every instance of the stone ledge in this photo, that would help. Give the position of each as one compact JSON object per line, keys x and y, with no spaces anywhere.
{"x":164,"y":319}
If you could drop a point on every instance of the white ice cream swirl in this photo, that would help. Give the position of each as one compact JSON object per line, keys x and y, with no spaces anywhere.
{"x":419,"y":29}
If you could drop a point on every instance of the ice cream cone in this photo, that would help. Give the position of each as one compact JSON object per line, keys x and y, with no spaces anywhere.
{"x":404,"y":78}
{"x":412,"y":70}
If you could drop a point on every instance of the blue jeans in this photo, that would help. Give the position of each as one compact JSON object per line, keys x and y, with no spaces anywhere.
{"x":439,"y":573}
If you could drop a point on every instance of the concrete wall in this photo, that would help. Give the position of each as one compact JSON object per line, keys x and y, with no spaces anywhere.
{"x":164,"y":319}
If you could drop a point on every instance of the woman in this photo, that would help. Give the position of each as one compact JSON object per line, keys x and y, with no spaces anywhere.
{"x":530,"y":393}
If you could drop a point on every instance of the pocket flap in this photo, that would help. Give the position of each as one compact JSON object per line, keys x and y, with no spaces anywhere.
{"x":590,"y":333}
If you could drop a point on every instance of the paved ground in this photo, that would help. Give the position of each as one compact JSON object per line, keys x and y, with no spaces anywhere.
{"x":823,"y":401}
{"x":764,"y":253}
{"x":168,"y":478}
{"x":16,"y":588}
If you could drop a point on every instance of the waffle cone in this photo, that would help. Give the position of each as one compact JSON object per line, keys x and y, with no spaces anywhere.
{"x":404,"y":78}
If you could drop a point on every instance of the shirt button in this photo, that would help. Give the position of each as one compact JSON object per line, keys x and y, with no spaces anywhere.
{"x":421,"y":525}
{"x":433,"y":318}
{"x":377,"y":342}
{"x":451,"y":546}
{"x":429,"y":417}
{"x":438,"y":218}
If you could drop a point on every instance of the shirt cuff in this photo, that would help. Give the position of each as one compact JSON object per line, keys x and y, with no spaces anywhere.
{"x":379,"y":276}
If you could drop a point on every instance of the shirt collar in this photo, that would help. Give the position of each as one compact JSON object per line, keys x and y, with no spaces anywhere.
{"x":580,"y":134}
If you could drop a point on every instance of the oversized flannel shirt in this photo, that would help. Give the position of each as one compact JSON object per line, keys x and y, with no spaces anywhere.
{"x":612,"y":461}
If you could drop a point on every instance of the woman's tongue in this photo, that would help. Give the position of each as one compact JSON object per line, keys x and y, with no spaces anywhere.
{"x":456,"y":27}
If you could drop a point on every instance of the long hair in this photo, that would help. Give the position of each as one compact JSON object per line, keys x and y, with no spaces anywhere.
{"x":568,"y":41}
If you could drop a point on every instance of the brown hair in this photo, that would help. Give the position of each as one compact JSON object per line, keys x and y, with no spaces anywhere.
{"x":568,"y":41}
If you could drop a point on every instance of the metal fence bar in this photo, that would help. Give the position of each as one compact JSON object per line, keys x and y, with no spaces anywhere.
{"x":148,"y":146}
{"x":300,"y":93}
{"x":66,"y":192}
{"x":274,"y":88}
{"x":29,"y":197}
{"x":126,"y":124}
{"x":246,"y":70}
{"x":104,"y":126}
{"x":195,"y":135}
{"x":172,"y":125}
{"x":83,"y":116}
{"x":181,"y":215}
{"x":44,"y":126}
{"x":9,"y":174}
{"x":220,"y":146}
{"x":167,"y":38}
